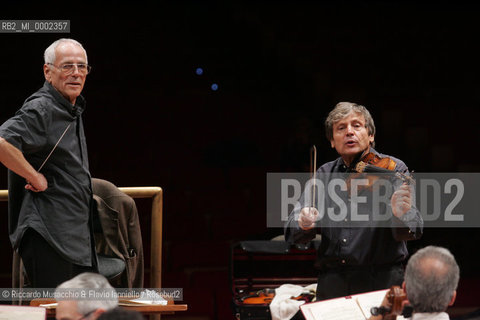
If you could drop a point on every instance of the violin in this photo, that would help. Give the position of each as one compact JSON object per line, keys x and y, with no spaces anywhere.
{"x":374,"y":160}
{"x":395,"y":297}
{"x":372,"y":163}
{"x":266,"y":296}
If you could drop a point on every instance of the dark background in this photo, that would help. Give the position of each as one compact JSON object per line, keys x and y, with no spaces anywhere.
{"x":280,"y":66}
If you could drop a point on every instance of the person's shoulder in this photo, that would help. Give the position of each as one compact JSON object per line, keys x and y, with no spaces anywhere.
{"x":37,"y":98}
{"x":40,"y":101}
{"x":330,"y":166}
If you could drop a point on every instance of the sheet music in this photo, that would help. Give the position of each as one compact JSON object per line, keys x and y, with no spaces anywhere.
{"x":368,"y":300}
{"x":356,"y":307}
{"x":335,"y":309}
{"x":22,"y":313}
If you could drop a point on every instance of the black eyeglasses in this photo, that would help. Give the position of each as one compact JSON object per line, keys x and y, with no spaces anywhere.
{"x":86,"y":315}
{"x":69,"y":68}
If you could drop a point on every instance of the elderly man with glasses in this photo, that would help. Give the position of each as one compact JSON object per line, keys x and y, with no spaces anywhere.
{"x":50,"y":195}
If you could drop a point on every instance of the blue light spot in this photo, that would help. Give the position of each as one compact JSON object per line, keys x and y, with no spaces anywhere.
{"x":214,"y":87}
{"x":199,"y":71}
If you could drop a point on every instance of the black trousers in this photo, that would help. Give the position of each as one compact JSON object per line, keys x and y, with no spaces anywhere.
{"x":44,"y":266}
{"x":344,"y":281}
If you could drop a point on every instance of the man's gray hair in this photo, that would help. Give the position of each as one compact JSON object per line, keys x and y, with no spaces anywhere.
{"x":49,"y":55}
{"x":89,"y":281}
{"x":341,"y":110}
{"x":431,"y":277}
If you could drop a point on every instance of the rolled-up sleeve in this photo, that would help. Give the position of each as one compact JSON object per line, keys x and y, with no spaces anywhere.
{"x":27,"y":130}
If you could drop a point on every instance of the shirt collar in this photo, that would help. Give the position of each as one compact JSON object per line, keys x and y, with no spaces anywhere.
{"x":76,"y":109}
{"x":431,"y":316}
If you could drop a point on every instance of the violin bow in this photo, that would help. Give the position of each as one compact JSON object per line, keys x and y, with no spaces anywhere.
{"x":313,"y":169}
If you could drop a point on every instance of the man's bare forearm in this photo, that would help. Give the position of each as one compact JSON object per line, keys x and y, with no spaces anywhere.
{"x":13,"y":159}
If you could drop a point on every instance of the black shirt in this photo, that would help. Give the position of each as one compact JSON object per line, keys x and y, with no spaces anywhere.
{"x":60,"y":213}
{"x":346,"y":244}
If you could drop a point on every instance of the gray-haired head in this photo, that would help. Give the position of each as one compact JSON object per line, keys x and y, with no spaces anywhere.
{"x":93,"y":282}
{"x":341,"y":110}
{"x":49,"y":55}
{"x":431,"y":279}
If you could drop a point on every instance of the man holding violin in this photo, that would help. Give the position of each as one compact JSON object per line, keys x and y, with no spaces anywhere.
{"x":356,"y":257}
{"x":430,"y":287}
